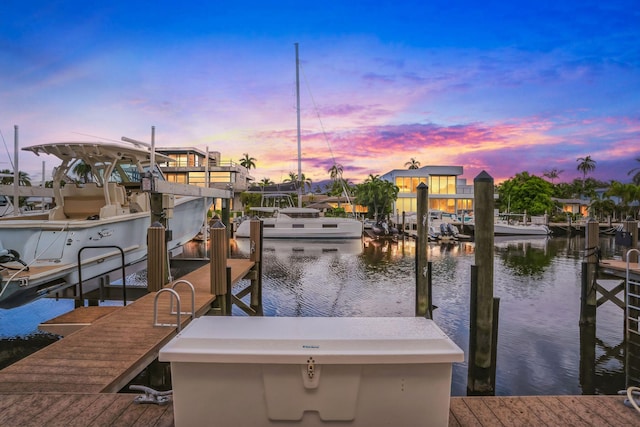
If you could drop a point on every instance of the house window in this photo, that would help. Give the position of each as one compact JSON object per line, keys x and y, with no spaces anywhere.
{"x":442,"y":185}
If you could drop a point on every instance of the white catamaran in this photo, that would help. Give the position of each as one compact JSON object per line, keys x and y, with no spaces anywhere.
{"x":282,"y":220}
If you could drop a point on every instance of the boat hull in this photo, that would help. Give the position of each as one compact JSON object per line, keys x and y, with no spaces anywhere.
{"x":516,"y":230}
{"x":309,"y":228}
{"x":520,"y":230}
{"x":53,"y":249}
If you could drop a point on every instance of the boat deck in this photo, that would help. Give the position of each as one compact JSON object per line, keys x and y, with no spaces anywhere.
{"x":104,"y":356}
{"x":85,"y":409}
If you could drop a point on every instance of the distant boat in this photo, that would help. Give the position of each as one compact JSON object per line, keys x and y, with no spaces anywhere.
{"x":504,"y":225}
{"x":282,"y":220}
{"x":39,"y":254}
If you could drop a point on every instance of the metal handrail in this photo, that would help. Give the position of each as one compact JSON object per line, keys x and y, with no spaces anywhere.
{"x":124,"y":280}
{"x":626,"y":291}
{"x":155,"y":309}
{"x":193,"y":298}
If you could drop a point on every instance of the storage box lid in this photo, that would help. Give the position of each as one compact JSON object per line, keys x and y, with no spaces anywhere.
{"x":330,"y":340}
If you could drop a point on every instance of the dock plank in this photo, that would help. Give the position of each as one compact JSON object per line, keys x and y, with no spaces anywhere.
{"x":73,"y":415}
{"x":505,"y":413}
{"x":584,"y":410}
{"x":481,"y":410}
{"x":80,"y":409}
{"x":114,"y":348}
{"x":561,"y":412}
{"x":462,"y":414}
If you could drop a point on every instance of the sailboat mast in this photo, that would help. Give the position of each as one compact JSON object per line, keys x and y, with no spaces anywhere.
{"x":300,"y":183}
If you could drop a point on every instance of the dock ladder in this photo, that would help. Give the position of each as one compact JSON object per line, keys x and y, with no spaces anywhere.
{"x":632,"y":326}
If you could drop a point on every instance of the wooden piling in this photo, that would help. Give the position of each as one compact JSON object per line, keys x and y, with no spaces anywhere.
{"x":255,"y":236}
{"x":218,"y":265}
{"x":588,"y":301}
{"x":156,"y":257}
{"x":423,"y":297}
{"x":481,"y":379}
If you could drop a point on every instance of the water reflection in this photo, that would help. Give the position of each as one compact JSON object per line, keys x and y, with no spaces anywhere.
{"x":524,"y":257}
{"x":538,"y":281}
{"x":540,"y":347}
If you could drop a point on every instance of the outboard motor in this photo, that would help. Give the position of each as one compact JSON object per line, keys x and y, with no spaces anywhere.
{"x":443,"y":229}
{"x":385,"y":226}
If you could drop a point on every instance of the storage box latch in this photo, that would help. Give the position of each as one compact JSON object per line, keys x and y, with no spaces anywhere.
{"x":311,"y":375}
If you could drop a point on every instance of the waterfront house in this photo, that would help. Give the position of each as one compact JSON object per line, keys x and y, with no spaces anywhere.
{"x":573,"y":206}
{"x":447,"y":191}
{"x":190,"y":167}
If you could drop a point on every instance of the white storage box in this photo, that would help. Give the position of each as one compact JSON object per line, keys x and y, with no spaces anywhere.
{"x":255,"y":371}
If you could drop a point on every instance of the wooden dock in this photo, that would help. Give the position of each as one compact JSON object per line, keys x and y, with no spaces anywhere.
{"x":104,"y":356}
{"x":86,"y":409}
{"x":74,"y":382}
{"x":618,"y":268}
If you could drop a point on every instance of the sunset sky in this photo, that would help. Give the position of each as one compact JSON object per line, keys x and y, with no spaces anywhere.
{"x":499,"y":86}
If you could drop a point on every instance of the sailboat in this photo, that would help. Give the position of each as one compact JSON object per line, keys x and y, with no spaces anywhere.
{"x":97,"y":225}
{"x":282,"y":220}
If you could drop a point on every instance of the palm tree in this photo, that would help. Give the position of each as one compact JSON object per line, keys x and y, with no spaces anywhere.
{"x":553,"y":174}
{"x":636,"y":177}
{"x":335,"y":171}
{"x":265,"y":181}
{"x":377,"y":194}
{"x":413,"y":164}
{"x":628,"y":193}
{"x":83,"y":171}
{"x":585,"y":165}
{"x":302,"y":182}
{"x":248,"y":162}
{"x":7,"y":178}
{"x":293,"y":177}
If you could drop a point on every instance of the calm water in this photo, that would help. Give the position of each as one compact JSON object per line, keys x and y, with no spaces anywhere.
{"x":537,"y":281}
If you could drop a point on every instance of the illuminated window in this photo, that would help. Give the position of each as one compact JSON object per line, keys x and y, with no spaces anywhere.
{"x":442,"y":185}
{"x":180,"y":178}
{"x":220,"y":176}
{"x":196,"y":178}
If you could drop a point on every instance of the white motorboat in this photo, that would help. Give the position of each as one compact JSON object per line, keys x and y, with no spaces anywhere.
{"x":94,"y":224}
{"x":504,"y":226}
{"x":282,"y":220}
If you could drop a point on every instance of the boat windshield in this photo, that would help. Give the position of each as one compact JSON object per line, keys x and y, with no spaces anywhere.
{"x":277,"y":200}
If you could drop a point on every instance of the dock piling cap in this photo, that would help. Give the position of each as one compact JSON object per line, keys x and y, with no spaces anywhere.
{"x":216,"y":223}
{"x":483,"y":177}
